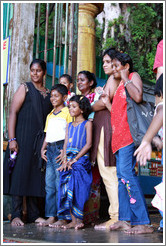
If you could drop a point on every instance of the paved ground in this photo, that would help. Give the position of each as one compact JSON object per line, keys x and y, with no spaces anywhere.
{"x":30,"y":233}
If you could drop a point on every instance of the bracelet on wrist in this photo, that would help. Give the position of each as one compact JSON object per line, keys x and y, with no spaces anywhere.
{"x":128,"y":82}
{"x":12,"y":139}
{"x":74,"y":159}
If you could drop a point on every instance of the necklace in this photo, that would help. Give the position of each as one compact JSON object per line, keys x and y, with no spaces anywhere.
{"x":77,"y":123}
{"x":42,"y":89}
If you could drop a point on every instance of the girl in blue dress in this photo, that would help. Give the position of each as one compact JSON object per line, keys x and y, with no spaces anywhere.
{"x":75,"y":171}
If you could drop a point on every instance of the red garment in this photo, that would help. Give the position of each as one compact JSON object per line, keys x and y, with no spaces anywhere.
{"x":91,"y":96}
{"x":158,"y":62}
{"x":70,"y":94}
{"x":121,"y":135}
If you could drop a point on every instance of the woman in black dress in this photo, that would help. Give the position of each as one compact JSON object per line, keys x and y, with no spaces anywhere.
{"x":29,"y":108}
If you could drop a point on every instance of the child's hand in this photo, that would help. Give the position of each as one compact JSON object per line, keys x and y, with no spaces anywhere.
{"x":62,"y":167}
{"x":71,"y":162}
{"x":143,"y":153}
{"x":60,"y":157}
{"x":69,"y":165}
{"x":157,"y":142}
{"x":43,"y":154}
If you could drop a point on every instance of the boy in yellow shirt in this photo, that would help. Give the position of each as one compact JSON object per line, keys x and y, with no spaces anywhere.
{"x":55,"y":129}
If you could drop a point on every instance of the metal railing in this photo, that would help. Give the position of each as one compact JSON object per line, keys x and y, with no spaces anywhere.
{"x":63,"y":18}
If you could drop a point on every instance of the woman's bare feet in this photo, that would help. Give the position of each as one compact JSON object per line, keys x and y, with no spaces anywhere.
{"x":47,"y":222}
{"x":58,"y":223}
{"x":39,"y":220}
{"x":17,"y":222}
{"x":140,"y":229}
{"x":120,"y":225}
{"x":105,"y":225}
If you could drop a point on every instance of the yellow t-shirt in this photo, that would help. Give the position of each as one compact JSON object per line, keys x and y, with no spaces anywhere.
{"x":55,"y":126}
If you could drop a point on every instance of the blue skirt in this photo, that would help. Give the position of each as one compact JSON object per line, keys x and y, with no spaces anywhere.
{"x":74,"y":187}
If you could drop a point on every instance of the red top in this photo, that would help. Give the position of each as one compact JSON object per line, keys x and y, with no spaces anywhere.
{"x":158,"y":62}
{"x":121,"y":135}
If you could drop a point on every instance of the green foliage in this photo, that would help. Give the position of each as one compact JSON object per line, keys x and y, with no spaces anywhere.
{"x":110,"y":42}
{"x":99,"y":38}
{"x":145,"y":26}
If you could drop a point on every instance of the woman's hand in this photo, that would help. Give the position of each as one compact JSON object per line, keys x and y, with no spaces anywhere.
{"x":143,"y":152}
{"x":13,"y":146}
{"x":157,"y":142}
{"x":99,"y":90}
{"x":125,"y":74}
{"x":43,"y":154}
{"x":106,"y":100}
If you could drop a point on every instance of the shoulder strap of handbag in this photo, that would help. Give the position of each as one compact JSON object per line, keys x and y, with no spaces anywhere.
{"x":130,"y":77}
{"x":35,"y":97}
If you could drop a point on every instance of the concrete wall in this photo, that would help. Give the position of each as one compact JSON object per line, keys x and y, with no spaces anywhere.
{"x":21,"y":47}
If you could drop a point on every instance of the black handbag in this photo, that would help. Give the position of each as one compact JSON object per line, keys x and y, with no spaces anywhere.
{"x":139,"y":117}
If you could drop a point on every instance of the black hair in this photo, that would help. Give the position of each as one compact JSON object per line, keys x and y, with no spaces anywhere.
{"x":90,"y":76}
{"x":41,"y":63}
{"x":84,"y":104}
{"x":124,"y":59}
{"x":111,"y":52}
{"x":62,"y":89}
{"x":158,"y":90}
{"x":67,"y":76}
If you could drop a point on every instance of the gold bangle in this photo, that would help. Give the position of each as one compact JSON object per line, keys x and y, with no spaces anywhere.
{"x":74,"y":159}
